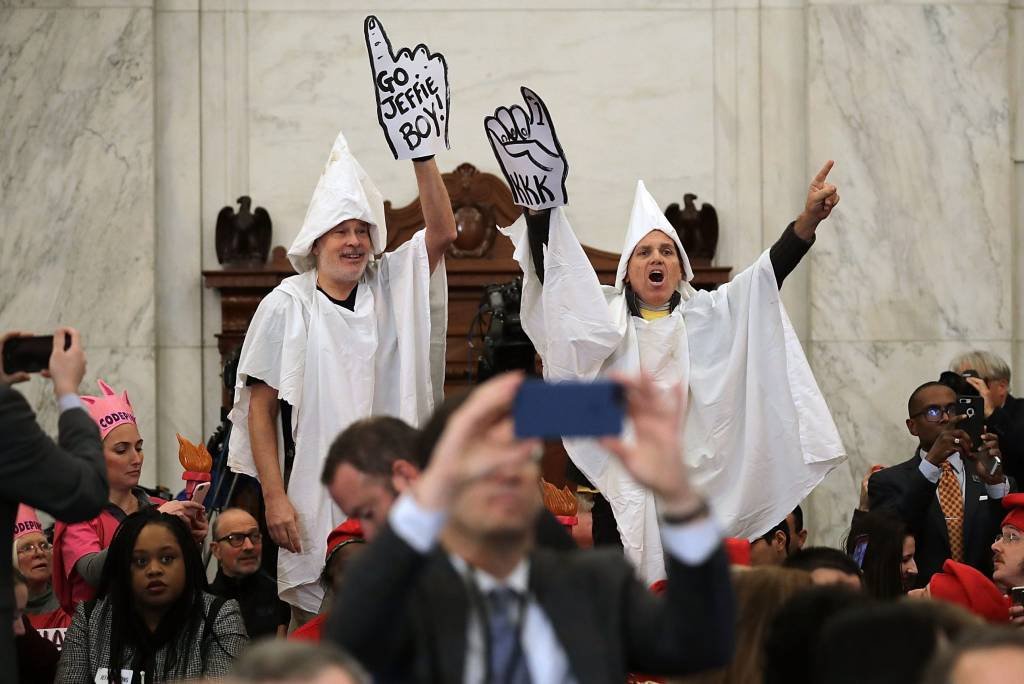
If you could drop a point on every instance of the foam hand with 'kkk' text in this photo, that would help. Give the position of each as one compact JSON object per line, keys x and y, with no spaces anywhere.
{"x":529,"y":153}
{"x":412,"y":94}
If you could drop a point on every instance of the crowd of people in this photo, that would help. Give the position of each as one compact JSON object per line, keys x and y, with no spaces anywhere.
{"x":397,"y":535}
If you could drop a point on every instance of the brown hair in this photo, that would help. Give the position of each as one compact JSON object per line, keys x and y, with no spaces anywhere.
{"x":760,"y":592}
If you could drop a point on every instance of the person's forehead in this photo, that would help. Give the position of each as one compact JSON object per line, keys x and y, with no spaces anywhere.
{"x":936,"y":394}
{"x":354,"y":486}
{"x":125,"y":432}
{"x":155,"y":537}
{"x":655,"y":238}
{"x":31,"y":538}
{"x":235,"y":521}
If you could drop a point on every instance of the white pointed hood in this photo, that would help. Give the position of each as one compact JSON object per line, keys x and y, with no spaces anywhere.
{"x":645,"y":217}
{"x":344,"y":191}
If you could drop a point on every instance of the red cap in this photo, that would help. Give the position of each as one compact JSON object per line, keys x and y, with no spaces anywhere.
{"x":1014,"y":503}
{"x":738,"y":551}
{"x":348,"y":531}
{"x":962,"y":584}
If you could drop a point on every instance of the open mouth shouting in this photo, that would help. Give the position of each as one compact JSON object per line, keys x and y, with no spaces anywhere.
{"x":656,"y":276}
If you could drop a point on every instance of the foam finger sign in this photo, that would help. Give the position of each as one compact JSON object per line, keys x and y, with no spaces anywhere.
{"x":528,"y":151}
{"x":412,"y":94}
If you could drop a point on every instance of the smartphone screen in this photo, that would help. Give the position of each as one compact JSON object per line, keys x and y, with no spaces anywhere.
{"x":974,"y":410}
{"x":27,"y":354}
{"x":568,"y":409}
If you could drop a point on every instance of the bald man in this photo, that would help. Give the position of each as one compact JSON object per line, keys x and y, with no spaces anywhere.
{"x":238,"y":547}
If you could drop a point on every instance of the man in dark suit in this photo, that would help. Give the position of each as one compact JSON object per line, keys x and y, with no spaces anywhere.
{"x":68,"y":481}
{"x":944,"y":492}
{"x":1004,"y":413}
{"x":487,"y":604}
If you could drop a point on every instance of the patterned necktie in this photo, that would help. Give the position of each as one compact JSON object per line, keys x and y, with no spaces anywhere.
{"x":508,"y":665}
{"x":951,"y":501}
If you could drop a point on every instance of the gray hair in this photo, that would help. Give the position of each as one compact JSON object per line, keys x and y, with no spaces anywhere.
{"x":278,"y":660}
{"x":990,"y":366}
{"x":985,"y":638}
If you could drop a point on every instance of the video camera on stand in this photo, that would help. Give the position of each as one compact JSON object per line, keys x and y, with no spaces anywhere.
{"x":504,"y":344}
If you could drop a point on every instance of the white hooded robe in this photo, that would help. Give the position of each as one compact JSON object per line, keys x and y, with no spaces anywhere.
{"x":336,"y":366}
{"x":758,"y":433}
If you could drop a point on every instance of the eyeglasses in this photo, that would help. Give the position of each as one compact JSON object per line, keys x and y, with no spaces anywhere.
{"x":933,"y":413}
{"x":237,"y":539}
{"x":31,"y":548}
{"x":1007,"y":538}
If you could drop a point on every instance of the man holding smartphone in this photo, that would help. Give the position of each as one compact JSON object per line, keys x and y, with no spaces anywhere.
{"x":949,"y":498}
{"x":67,"y":480}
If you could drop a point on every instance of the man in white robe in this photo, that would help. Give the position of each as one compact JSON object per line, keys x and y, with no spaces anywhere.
{"x":356,"y":333}
{"x":758,"y":434}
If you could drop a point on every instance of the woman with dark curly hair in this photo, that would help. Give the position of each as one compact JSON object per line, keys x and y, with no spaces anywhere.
{"x":152,"y":616}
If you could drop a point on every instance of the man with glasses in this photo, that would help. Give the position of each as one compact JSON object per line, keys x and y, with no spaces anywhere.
{"x":944,"y":493}
{"x":989,"y":375}
{"x":1008,"y":552}
{"x":238,"y":547}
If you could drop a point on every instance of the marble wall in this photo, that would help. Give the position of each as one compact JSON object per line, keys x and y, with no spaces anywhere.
{"x":76,"y":190}
{"x":134,"y":121}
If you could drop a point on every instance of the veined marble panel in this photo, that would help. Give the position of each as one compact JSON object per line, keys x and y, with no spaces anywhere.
{"x":626,"y":90}
{"x":912,"y":103}
{"x":181,"y":408}
{"x":867,"y":385}
{"x":76,"y":174}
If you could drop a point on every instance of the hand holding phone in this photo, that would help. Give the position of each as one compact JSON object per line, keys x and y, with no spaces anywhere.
{"x":199,"y":493}
{"x":568,"y":409}
{"x":973,"y":423}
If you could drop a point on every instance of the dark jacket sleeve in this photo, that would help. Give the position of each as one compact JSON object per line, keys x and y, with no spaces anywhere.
{"x":787,"y":252}
{"x":537,"y":231}
{"x":369,"y":618}
{"x":691,"y":628}
{"x":68,"y":481}
{"x":903,"y":491}
{"x":1008,"y":423}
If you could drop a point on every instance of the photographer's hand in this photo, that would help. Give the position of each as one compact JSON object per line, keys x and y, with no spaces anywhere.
{"x":478,"y":440}
{"x":950,"y":441}
{"x":67,"y":366}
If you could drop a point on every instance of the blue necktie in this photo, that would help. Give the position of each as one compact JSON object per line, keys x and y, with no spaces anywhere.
{"x":508,"y":664}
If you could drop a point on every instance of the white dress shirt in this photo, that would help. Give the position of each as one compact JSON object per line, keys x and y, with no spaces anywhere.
{"x":932,"y":473}
{"x":692,"y":544}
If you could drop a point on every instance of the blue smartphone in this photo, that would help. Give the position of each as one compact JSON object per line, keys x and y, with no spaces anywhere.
{"x":568,"y":409}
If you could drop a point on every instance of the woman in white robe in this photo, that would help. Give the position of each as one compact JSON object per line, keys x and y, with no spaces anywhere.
{"x":758,"y":432}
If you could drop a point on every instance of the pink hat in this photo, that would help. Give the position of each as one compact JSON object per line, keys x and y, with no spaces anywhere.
{"x":109,"y":410}
{"x":26,"y":522}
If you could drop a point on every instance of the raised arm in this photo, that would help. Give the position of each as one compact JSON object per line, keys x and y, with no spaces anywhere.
{"x":68,"y":481}
{"x":437,"y":210}
{"x":798,"y":237}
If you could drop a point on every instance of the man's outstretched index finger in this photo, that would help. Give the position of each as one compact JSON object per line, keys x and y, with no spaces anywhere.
{"x":823,"y":173}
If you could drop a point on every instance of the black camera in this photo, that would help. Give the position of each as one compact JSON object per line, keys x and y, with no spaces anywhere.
{"x":505,"y":344}
{"x":958,"y":382}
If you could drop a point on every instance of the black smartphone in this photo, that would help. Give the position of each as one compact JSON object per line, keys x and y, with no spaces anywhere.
{"x":1017,"y":596}
{"x":29,"y":354}
{"x":973,"y":408}
{"x":568,"y":409}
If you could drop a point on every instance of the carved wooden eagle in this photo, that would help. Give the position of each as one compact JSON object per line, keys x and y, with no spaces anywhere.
{"x":698,"y":230}
{"x":243,"y":237}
